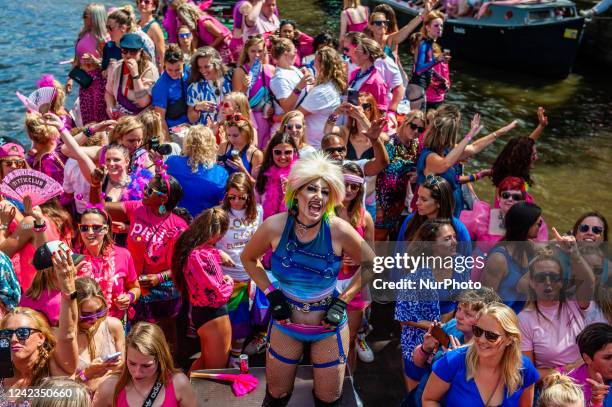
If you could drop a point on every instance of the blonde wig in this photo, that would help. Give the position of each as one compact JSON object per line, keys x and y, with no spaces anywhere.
{"x":200,"y":146}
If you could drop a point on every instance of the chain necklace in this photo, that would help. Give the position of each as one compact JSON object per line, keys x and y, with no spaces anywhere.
{"x":301,"y":228}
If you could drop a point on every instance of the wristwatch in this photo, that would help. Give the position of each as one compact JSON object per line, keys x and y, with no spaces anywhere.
{"x":136,"y":77}
{"x":72,"y":296}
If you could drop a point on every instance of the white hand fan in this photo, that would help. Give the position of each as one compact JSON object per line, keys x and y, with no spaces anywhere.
{"x":38,"y":98}
{"x":26,"y":182}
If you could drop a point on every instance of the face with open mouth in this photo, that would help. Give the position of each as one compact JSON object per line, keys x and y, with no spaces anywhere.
{"x":312,"y":200}
{"x":546,"y":280}
{"x":591,"y":229}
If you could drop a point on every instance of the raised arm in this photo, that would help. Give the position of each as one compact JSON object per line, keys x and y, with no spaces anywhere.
{"x":381,"y":158}
{"x":66,"y":350}
{"x":253,"y":15}
{"x":542,"y":123}
{"x":482,"y":143}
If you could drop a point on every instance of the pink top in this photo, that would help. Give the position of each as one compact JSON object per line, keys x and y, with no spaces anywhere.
{"x":169,"y":397}
{"x":111,"y":273}
{"x":580,"y":376}
{"x":204,"y":278}
{"x":151,"y":238}
{"x":304,"y":48}
{"x":48,"y":304}
{"x":552,"y":341}
{"x":434,"y":92}
{"x":352,"y":26}
{"x":171,"y":24}
{"x":262,"y":25}
{"x":374,"y":85}
{"x":88,"y":44}
{"x":206,"y":36}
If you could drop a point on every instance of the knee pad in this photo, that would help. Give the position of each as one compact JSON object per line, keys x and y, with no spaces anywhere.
{"x":270,"y":401}
{"x":321,"y":403}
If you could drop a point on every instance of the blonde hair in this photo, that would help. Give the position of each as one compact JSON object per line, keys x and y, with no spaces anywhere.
{"x":41,"y":367}
{"x":200,"y":146}
{"x":413,"y":115}
{"x":98,"y":17}
{"x":124,"y":125}
{"x":351,"y":4}
{"x":125,"y":16}
{"x":443,"y":131}
{"x":244,"y":55}
{"x":280,"y":45}
{"x":246,"y":127}
{"x":511,"y":362}
{"x":559,"y":390}
{"x":39,"y":132}
{"x":331,"y":68}
{"x":151,"y":126}
{"x":78,"y":393}
{"x":189,"y":14}
{"x":314,"y":166}
{"x":149,"y":340}
{"x":292,"y":115}
{"x":88,"y":288}
{"x":372,"y":48}
{"x":241,"y":100}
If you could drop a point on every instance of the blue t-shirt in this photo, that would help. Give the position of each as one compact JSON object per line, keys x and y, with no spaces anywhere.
{"x":166,"y":91}
{"x":203,"y":189}
{"x":451,"y":368}
{"x":110,"y":51}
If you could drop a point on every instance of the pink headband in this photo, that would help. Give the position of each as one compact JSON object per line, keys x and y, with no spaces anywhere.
{"x":353,"y":178}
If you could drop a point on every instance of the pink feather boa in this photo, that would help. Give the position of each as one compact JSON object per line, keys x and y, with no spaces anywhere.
{"x":274,"y":196}
{"x":47,"y":80}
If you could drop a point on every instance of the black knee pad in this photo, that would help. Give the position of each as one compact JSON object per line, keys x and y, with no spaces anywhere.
{"x":321,"y":403}
{"x":270,"y":401}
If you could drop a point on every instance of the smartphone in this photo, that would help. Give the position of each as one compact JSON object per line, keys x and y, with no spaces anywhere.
{"x":353,"y":97}
{"x":111,"y":357}
{"x":6,"y":363}
{"x":440,"y":336}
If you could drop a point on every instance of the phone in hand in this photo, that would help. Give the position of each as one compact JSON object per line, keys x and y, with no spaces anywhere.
{"x":112,"y":357}
{"x":6,"y":363}
{"x":353,"y":97}
{"x":440,"y":336}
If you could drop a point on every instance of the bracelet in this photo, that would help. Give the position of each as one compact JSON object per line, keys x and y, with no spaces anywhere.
{"x":82,"y":376}
{"x":39,"y":228}
{"x":160,"y":277}
{"x":132,"y":297}
{"x":136,"y":77}
{"x":428,"y":354}
{"x":472,"y":178}
{"x":333,"y":118}
{"x":297,"y":91}
{"x":269,"y":289}
{"x":88,"y":131}
{"x":3,"y":227}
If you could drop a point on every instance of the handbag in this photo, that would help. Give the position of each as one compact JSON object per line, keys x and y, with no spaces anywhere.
{"x":81,"y":77}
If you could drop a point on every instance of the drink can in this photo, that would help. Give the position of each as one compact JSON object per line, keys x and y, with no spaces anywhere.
{"x":244,"y":363}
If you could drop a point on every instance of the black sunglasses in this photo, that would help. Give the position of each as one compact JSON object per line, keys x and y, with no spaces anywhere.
{"x":281,"y":152}
{"x":490,"y":336}
{"x":22,"y":333}
{"x":129,"y":51}
{"x":416,"y":127}
{"x":541,"y":277}
{"x":332,"y":150}
{"x":95,"y":228}
{"x":380,"y":23}
{"x":508,"y":195}
{"x":366,"y":106}
{"x":584,"y":228}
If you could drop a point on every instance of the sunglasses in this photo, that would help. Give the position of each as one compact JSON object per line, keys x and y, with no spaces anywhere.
{"x":333,"y":150}
{"x":22,"y":333}
{"x":490,"y":336}
{"x":508,"y":195}
{"x":150,"y":191}
{"x":145,"y":2}
{"x":380,"y":23}
{"x":93,"y":317}
{"x":584,"y":228}
{"x":184,"y":35}
{"x":281,"y":152}
{"x":233,"y":118}
{"x":130,"y":51}
{"x":97,"y":229}
{"x":239,"y":198}
{"x":416,"y":127}
{"x":541,"y":277}
{"x":352,"y":187}
{"x":345,"y":50}
{"x":433,"y":180}
{"x":294,"y":126}
{"x":14,"y":163}
{"x":366,"y":106}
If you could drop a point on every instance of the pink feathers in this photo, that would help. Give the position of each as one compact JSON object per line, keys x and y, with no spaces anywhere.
{"x":242,"y":384}
{"x":46,"y":80}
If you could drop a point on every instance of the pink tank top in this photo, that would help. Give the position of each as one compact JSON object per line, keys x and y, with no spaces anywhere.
{"x":207,"y":37}
{"x":88,"y":44}
{"x":347,"y":272}
{"x":355,"y":27}
{"x":169,"y":397}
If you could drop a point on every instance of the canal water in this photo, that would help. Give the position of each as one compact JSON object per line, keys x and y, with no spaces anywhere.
{"x":573,"y":174}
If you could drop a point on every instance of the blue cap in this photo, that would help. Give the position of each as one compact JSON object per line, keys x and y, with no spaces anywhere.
{"x":131,"y":41}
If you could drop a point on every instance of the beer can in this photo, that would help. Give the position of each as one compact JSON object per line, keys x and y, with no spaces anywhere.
{"x":244,"y":363}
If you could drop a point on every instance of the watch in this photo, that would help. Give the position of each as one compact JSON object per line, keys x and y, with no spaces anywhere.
{"x":72,"y":296}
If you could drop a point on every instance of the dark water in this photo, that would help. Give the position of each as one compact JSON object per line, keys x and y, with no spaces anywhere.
{"x":573,"y":174}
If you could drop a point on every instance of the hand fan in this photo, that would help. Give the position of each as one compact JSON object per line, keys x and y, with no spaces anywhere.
{"x":38,"y":98}
{"x":26,"y":102}
{"x":27,"y":182}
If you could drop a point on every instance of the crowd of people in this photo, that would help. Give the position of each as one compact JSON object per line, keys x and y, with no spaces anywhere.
{"x":226,"y":187}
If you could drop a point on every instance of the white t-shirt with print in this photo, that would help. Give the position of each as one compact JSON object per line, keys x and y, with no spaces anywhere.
{"x":320,"y":102}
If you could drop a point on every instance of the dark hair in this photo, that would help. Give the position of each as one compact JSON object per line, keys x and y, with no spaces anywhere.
{"x":428,"y":232}
{"x":268,"y":158}
{"x":546,"y":254}
{"x":173,"y":54}
{"x":329,"y":136}
{"x":107,"y":242}
{"x":174,"y":195}
{"x":477,"y":299}
{"x":442,"y":192}
{"x":519,"y":219}
{"x":324,"y":39}
{"x":514,"y":160}
{"x":212,"y":222}
{"x":588,"y":215}
{"x":594,"y":338}
{"x":242,"y":183}
{"x":356,"y":206}
{"x":389,"y":14}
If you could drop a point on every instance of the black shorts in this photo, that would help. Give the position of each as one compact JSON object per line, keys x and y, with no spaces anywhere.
{"x":202,"y":315}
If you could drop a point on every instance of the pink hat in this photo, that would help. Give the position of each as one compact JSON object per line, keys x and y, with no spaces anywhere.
{"x":11,"y":150}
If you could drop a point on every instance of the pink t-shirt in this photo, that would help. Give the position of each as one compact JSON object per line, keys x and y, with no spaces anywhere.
{"x":47,"y":304}
{"x":118,"y":273}
{"x":552,"y":341}
{"x":204,"y":278}
{"x":151,"y":238}
{"x":374,"y":85}
{"x":88,"y":44}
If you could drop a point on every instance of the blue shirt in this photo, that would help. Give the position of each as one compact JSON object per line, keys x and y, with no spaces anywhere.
{"x":110,"y":51}
{"x":167,"y":91}
{"x":203,"y":189}
{"x":451,"y":368}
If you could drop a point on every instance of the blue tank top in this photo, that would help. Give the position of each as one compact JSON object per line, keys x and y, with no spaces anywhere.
{"x":507,"y":287}
{"x":228,"y":156}
{"x":306,"y":271}
{"x":450,"y":175}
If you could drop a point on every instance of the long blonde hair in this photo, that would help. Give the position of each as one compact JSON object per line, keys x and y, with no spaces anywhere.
{"x":38,"y":131}
{"x":151,"y":126}
{"x":559,"y":390}
{"x":331,"y":69}
{"x":189,"y":14}
{"x":79,"y":395}
{"x":244,"y":55}
{"x":511,"y":362}
{"x":241,"y":100}
{"x":98,"y":17}
{"x":292,"y":115}
{"x":147,"y":339}
{"x":444,"y":128}
{"x":88,"y":288}
{"x":200,"y":147}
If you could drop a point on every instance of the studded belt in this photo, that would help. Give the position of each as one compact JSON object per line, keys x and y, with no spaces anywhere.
{"x":321,"y":305}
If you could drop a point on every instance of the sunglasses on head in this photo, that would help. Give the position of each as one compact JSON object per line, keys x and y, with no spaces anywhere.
{"x":541,"y":277}
{"x":94,"y":228}
{"x":381,"y":23}
{"x":22,"y":333}
{"x":490,"y":336}
{"x":294,"y":126}
{"x":129,"y":51}
{"x":508,"y":195}
{"x":333,"y":150}
{"x":184,"y":35}
{"x":283,"y":152}
{"x":237,"y":198}
{"x":433,"y":180}
{"x":584,"y":228}
{"x":351,"y":186}
{"x":416,"y":127}
{"x":94,"y":316}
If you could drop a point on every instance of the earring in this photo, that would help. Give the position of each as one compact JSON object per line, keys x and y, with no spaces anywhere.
{"x":162,"y":209}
